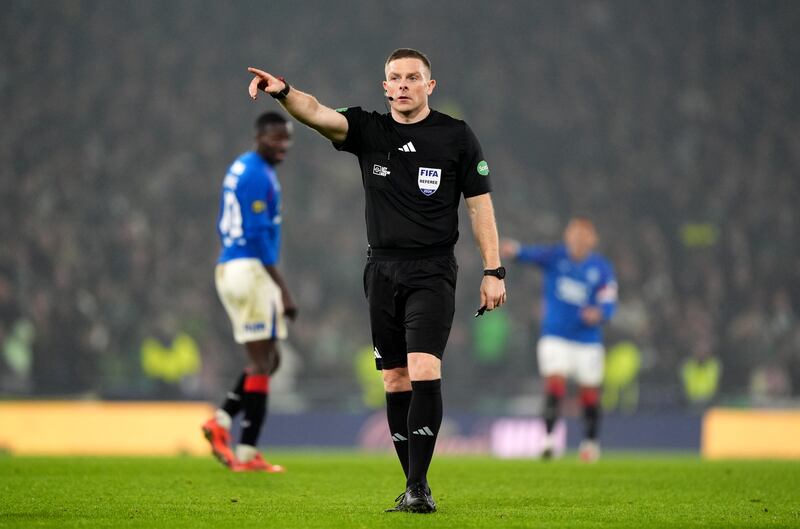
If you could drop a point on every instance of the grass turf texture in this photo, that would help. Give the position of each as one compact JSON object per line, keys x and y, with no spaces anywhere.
{"x":331,"y":490}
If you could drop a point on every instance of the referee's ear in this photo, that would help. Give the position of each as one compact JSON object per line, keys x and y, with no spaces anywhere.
{"x":431,"y":86}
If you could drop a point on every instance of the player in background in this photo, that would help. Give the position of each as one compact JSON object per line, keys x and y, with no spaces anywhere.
{"x":580,"y":295}
{"x":415,"y":163}
{"x":252,"y":289}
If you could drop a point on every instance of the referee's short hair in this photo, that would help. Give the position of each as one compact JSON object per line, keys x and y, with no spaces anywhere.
{"x":268,"y":118}
{"x":406,"y":53}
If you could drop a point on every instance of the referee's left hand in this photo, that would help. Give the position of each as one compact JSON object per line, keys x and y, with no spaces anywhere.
{"x":493,"y":292}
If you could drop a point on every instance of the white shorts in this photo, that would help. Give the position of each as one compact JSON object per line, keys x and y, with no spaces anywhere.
{"x":252,"y":299}
{"x":583,"y":362}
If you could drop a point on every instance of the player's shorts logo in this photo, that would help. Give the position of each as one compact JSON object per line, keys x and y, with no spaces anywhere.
{"x":428,"y":180}
{"x":255,"y":326}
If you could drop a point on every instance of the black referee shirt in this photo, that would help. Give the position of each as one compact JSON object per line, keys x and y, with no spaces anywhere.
{"x":414,"y":176}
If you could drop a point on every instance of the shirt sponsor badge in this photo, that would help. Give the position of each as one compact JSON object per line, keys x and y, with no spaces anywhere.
{"x":428,"y":180}
{"x":571,"y":291}
{"x":380,"y":170}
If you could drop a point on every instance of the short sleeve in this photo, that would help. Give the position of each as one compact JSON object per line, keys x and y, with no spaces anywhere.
{"x":473,"y":169}
{"x":356,"y":117}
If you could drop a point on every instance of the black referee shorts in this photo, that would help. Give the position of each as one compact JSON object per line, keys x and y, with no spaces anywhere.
{"x":411,"y":297}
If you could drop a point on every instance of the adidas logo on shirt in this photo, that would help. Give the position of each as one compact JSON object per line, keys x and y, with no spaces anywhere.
{"x":408,"y":147}
{"x":423,"y":431}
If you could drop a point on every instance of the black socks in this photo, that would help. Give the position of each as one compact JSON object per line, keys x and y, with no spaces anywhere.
{"x":550,"y":411}
{"x":254,"y":403}
{"x":591,"y":417}
{"x":424,"y":420}
{"x":233,"y":401}
{"x":397,"y":404}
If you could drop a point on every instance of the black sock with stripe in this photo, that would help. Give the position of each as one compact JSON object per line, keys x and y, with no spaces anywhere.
{"x":397,"y":404}
{"x":254,"y":402}
{"x":233,"y":400}
{"x":424,"y":420}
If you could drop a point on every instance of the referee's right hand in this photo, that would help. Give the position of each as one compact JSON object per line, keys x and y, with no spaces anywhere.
{"x":264,"y":81}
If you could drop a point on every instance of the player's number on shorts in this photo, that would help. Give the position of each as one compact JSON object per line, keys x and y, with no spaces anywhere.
{"x":230,"y":225}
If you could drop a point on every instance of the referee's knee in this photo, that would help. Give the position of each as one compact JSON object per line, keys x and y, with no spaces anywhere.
{"x":395,"y":380}
{"x":424,"y":366}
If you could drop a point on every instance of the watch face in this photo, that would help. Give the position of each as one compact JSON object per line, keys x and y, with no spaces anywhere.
{"x":501,"y":272}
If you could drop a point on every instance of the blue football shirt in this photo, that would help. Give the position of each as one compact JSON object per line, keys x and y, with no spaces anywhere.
{"x":569,"y":286}
{"x":249,"y":221}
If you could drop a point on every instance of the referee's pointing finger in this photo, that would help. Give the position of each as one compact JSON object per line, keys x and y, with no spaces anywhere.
{"x":260,"y":76}
{"x":256,"y":71}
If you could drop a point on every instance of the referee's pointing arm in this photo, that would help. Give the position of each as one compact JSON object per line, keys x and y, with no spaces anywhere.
{"x":415,"y":165}
{"x":303,"y":107}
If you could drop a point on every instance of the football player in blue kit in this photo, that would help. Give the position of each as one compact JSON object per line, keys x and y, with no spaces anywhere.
{"x":252,"y":289}
{"x":580,"y":295}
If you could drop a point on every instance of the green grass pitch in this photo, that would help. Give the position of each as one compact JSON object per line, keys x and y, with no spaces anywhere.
{"x":351,"y":490}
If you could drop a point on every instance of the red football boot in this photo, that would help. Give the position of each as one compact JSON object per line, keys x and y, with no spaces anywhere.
{"x":257,"y":464}
{"x":219,"y":438}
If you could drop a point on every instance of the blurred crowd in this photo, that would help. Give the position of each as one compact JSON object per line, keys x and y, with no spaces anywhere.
{"x":676,"y":127}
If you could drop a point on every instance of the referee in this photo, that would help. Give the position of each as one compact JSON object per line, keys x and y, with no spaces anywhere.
{"x":415,"y":165}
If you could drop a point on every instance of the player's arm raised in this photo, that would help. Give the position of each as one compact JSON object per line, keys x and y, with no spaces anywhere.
{"x":509,"y":248}
{"x":484,"y":227}
{"x":303,"y":107}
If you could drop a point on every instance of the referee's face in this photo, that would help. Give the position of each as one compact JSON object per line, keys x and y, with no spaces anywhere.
{"x":408,"y":83}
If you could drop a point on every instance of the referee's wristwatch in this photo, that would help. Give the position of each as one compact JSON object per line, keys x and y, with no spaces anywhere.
{"x":499,"y":272}
{"x":283,"y":93}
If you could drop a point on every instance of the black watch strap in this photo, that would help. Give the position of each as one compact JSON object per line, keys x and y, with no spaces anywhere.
{"x":499,"y":272}
{"x":283,"y":93}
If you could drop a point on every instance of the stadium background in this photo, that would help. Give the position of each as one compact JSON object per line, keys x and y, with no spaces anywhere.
{"x":675,"y":125}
